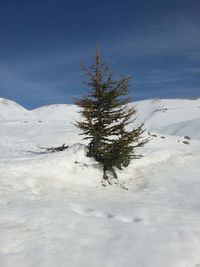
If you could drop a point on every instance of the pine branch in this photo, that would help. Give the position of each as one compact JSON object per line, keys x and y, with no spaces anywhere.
{"x":54,"y":149}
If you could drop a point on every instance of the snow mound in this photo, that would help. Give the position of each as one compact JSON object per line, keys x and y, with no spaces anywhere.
{"x":51,"y":170}
{"x":11,"y":111}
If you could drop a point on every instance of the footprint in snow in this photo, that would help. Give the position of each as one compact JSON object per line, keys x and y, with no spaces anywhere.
{"x":91,"y":212}
{"x":94,"y":213}
{"x":124,"y":219}
{"x":110,"y":215}
{"x":77,"y":209}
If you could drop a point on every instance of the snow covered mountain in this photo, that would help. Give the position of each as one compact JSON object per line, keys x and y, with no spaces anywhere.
{"x":170,"y":116}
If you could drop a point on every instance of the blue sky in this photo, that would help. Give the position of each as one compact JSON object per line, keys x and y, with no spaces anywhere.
{"x":44,"y":42}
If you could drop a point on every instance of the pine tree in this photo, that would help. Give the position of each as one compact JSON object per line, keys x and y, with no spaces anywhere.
{"x":108,"y":119}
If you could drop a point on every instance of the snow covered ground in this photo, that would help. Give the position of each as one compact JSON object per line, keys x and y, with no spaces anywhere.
{"x":54,"y":211}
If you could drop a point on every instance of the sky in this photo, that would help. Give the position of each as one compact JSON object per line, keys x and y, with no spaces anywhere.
{"x":43,"y":44}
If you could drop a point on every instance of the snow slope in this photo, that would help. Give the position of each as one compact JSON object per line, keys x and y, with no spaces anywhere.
{"x":162,"y":112}
{"x":54,"y":211}
{"x":57,"y":112}
{"x":11,"y":111}
{"x":189,"y":128}
{"x":161,"y":115}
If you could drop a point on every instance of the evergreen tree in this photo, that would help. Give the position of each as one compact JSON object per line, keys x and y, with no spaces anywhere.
{"x":107,"y":119}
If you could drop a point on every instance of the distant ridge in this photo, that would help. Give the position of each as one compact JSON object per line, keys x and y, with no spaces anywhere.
{"x":168,"y":116}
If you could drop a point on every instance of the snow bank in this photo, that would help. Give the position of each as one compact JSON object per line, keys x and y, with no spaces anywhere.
{"x":46,"y":171}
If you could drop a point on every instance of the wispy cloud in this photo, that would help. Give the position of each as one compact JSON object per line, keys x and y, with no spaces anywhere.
{"x":163,"y":56}
{"x":175,"y":35}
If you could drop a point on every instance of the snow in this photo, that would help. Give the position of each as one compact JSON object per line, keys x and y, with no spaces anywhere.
{"x":54,"y":211}
{"x":57,"y":112}
{"x":188,"y":128}
{"x":170,"y":116}
{"x":9,"y":110}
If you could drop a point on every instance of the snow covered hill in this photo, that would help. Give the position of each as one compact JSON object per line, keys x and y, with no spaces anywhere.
{"x":184,"y":128}
{"x":57,"y":112}
{"x":170,"y":116}
{"x":54,"y":211}
{"x":162,"y":112}
{"x":11,"y":111}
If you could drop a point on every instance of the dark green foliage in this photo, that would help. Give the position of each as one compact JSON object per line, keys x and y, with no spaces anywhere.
{"x":107,"y":119}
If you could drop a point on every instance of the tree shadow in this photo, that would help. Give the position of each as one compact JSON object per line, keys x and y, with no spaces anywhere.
{"x":31,"y":152}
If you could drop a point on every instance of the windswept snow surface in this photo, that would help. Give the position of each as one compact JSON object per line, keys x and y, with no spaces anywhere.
{"x":54,"y":211}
